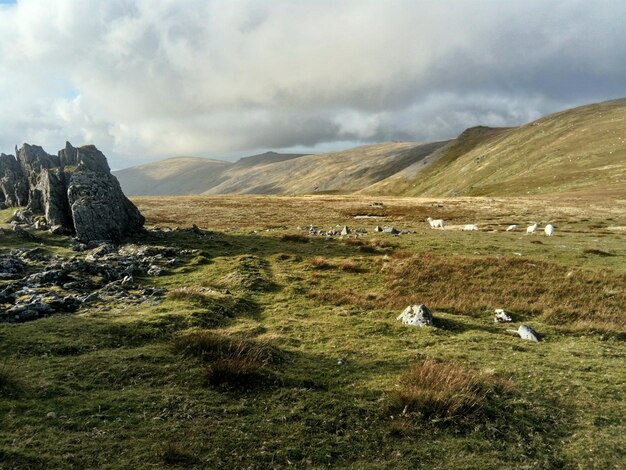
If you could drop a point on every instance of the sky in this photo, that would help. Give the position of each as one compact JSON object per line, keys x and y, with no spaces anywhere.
{"x":150,"y":79}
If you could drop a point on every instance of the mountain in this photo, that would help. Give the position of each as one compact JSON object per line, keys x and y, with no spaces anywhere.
{"x":345,"y":171}
{"x":579,"y":148}
{"x":172,"y":176}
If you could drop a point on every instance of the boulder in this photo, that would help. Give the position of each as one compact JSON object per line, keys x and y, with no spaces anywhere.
{"x":416,"y":315}
{"x":99,"y":209}
{"x":345,"y":231}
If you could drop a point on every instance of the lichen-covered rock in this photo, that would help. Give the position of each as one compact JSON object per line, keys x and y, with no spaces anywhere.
{"x":416,"y":315}
{"x":100,"y":210}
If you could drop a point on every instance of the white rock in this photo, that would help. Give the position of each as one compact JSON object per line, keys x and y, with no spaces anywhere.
{"x":416,"y":315}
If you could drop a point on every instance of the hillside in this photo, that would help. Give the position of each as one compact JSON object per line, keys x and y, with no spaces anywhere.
{"x":172,"y":176}
{"x":345,"y":171}
{"x":580,"y":148}
{"x":575,"y":149}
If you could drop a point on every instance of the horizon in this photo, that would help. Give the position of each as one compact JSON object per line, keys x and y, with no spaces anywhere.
{"x":144,"y":81}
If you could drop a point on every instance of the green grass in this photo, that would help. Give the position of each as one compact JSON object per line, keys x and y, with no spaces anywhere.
{"x":237,"y":367}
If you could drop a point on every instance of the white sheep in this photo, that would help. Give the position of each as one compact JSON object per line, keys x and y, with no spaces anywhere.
{"x":512,"y":228}
{"x":532,"y":228}
{"x":435,"y":223}
{"x":471,"y":227}
{"x":549,"y":230}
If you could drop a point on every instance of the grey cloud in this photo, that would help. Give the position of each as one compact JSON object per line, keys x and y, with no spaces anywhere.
{"x":155,"y":78}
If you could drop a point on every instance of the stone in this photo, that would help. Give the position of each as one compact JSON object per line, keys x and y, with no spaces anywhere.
{"x":24,"y":234}
{"x":378,"y":229}
{"x":501,"y":316}
{"x":345,"y":231}
{"x":391,"y":230}
{"x":155,"y":270}
{"x":51,"y":415}
{"x":526,"y":332}
{"x":416,"y":315}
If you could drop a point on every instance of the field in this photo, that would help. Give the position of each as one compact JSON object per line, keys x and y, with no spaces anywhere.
{"x":275,"y":348}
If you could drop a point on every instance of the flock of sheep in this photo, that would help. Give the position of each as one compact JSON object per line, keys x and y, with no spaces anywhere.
{"x":549,"y":228}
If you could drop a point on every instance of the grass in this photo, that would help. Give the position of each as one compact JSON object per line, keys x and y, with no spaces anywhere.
{"x":438,"y":391}
{"x":238,"y":366}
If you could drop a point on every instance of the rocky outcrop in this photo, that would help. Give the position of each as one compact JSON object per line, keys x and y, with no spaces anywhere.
{"x":13,"y":184}
{"x":75,"y":190}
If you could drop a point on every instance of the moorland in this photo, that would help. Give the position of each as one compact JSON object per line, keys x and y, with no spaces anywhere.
{"x":277,"y":345}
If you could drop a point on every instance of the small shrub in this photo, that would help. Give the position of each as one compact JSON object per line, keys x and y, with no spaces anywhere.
{"x":319,"y":262}
{"x":439,"y":391}
{"x":349,"y":266}
{"x":295,"y":238}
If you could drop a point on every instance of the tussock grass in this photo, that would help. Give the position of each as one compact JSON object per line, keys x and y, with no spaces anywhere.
{"x":373,"y":245}
{"x":467,"y":285}
{"x":295,"y":238}
{"x":235,"y":361}
{"x":10,"y":380}
{"x":319,"y":262}
{"x":349,"y":266}
{"x":450,"y":392}
{"x":177,"y":454}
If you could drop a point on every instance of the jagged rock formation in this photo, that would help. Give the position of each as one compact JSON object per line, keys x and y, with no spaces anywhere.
{"x":75,"y":190}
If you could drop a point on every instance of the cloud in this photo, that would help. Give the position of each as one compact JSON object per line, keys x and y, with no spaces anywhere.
{"x":145,"y":79}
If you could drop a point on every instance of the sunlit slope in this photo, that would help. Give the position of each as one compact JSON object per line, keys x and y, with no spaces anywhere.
{"x":172,"y":176}
{"x":344,"y":172}
{"x":579,"y":148}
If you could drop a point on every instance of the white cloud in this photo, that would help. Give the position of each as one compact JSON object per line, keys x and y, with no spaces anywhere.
{"x":145,"y":79}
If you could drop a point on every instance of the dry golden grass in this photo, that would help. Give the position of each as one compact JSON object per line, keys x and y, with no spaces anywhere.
{"x":349,"y":266}
{"x":446,"y":391}
{"x":319,"y":262}
{"x":467,"y":285}
{"x":247,"y":212}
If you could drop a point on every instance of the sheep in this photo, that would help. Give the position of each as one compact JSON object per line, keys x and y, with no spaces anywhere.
{"x":471,"y":227}
{"x":549,"y":230}
{"x":512,"y":228}
{"x":532,"y":228}
{"x":435,"y":223}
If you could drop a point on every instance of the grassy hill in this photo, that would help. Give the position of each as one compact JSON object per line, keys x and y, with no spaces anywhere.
{"x":172,"y":176}
{"x":579,"y":148}
{"x":344,"y":172}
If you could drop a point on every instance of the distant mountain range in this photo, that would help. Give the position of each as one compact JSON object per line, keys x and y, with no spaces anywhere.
{"x":578,"y":148}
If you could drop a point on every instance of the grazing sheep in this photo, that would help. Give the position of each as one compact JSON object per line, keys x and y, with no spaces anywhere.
{"x":532,"y":228}
{"x":512,"y":228}
{"x":438,"y":223}
{"x":471,"y":227}
{"x":549,"y":230}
